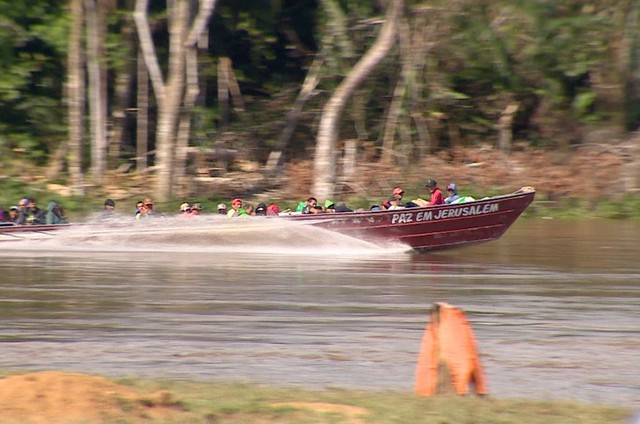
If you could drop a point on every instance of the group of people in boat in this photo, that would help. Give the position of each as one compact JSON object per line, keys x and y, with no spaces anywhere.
{"x":27,"y":212}
{"x":436,"y":197}
{"x":395,"y":201}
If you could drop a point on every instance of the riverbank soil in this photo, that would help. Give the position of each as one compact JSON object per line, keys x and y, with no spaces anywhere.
{"x":57,"y":397}
{"x":53,"y":397}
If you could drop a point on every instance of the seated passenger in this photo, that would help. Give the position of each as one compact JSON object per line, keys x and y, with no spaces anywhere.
{"x":141,"y":212}
{"x":196,"y":209}
{"x":139,"y":206}
{"x":329,"y":206}
{"x":392,"y":204}
{"x":261,"y":209}
{"x":398,"y":192}
{"x":452,"y":189}
{"x":185,"y":210}
{"x":273,"y":210}
{"x":436,"y":195}
{"x":55,"y":215}
{"x":109,"y":205}
{"x":151,"y":212}
{"x":31,"y":214}
{"x":312,"y":207}
{"x":14,"y":211}
{"x":236,"y":208}
{"x":342,"y":207}
{"x":146,"y":210}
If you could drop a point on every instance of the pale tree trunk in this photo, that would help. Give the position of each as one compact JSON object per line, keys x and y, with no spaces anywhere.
{"x":505,"y":128}
{"x":325,"y":152}
{"x":391,"y":123}
{"x":169,"y":94}
{"x":142,"y":116}
{"x":224,"y":65}
{"x":169,"y":108}
{"x":399,"y":95}
{"x":75,"y":93}
{"x":96,"y":33}
{"x":184,"y":129}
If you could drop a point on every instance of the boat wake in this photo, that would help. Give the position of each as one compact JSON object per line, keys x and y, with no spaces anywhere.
{"x":208,"y":234}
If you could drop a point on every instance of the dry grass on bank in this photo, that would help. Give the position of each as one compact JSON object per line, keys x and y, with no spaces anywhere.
{"x":71,"y":398}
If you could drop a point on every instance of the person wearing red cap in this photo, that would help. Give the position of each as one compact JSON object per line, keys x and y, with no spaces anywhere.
{"x":236,"y":208}
{"x":398,"y":192}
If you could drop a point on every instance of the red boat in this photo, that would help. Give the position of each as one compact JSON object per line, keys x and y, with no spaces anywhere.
{"x":422,"y":228}
{"x":11,"y":231}
{"x":431,"y":227}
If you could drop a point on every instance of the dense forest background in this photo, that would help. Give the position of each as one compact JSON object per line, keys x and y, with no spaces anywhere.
{"x":190,"y":98}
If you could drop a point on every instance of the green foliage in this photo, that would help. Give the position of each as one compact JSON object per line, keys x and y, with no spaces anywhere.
{"x":31,"y":61}
{"x":551,"y":57}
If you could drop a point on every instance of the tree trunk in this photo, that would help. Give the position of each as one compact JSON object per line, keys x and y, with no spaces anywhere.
{"x":170,"y":95}
{"x":75,"y":93}
{"x":325,"y":153}
{"x":306,"y":92}
{"x":184,"y":129}
{"x":505,"y":128}
{"x":169,"y":108}
{"x":391,"y":123}
{"x":123,"y":92}
{"x":223,"y":93}
{"x":142,"y":116}
{"x":96,"y":29}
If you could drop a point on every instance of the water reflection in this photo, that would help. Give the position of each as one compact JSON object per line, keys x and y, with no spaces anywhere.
{"x":554,"y":307}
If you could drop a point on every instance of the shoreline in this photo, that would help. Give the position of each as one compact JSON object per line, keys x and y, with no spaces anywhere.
{"x":76,"y":397}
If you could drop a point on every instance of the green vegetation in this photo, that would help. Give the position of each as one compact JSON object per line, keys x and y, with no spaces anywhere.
{"x":78,"y":208}
{"x":224,"y":403}
{"x":566,"y":69}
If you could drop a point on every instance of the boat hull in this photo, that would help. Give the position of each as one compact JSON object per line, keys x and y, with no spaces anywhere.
{"x":10,"y":231}
{"x":430,"y":228}
{"x":423,"y":228}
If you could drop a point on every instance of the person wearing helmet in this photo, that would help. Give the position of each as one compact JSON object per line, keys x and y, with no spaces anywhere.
{"x":436,"y":195}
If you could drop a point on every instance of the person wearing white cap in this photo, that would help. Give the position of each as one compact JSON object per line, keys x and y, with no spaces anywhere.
{"x":185,"y":210}
{"x":222,"y":209}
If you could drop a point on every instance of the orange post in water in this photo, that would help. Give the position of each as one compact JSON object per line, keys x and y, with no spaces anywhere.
{"x":448,"y":355}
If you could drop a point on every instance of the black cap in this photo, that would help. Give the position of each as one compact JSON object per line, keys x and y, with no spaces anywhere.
{"x":109,"y":202}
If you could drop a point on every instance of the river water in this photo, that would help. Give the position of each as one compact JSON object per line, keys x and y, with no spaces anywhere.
{"x":555,"y":306}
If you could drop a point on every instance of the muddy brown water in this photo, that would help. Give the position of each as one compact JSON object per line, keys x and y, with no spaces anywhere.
{"x":555,"y":306}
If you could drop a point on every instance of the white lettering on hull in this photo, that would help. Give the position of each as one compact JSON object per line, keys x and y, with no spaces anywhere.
{"x":472,"y":210}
